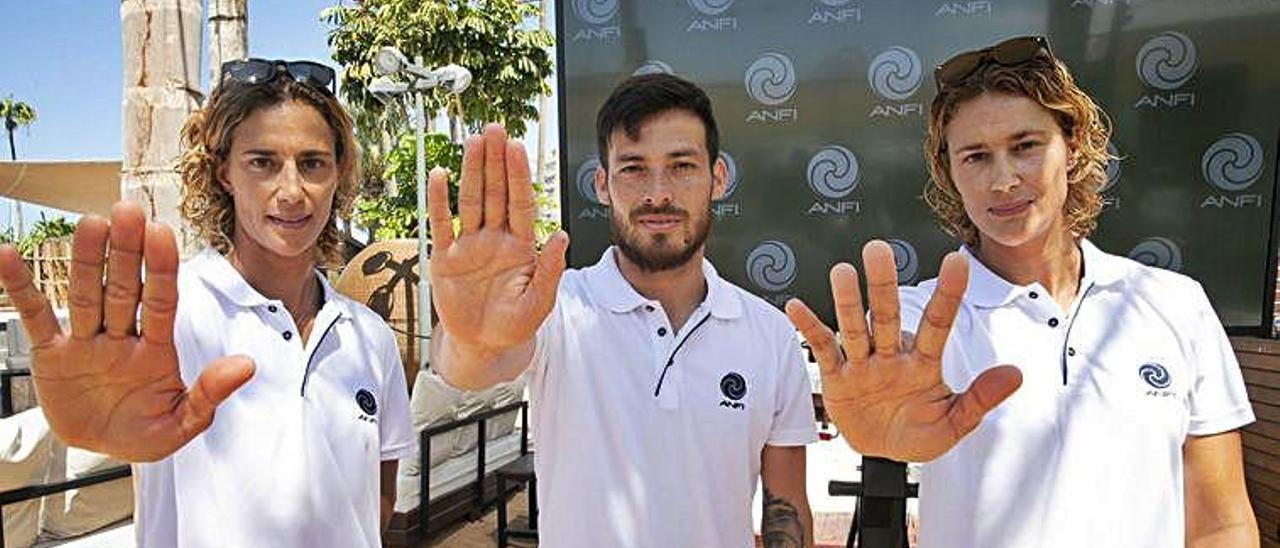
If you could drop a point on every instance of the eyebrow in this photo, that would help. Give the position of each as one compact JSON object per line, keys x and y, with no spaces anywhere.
{"x":1015,"y":137}
{"x":678,"y":153}
{"x":268,"y":152}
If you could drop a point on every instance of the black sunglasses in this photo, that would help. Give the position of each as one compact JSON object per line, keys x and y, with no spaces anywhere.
{"x":1010,"y":52}
{"x":261,"y":71}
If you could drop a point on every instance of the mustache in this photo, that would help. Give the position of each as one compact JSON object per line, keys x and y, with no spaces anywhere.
{"x":655,"y":210}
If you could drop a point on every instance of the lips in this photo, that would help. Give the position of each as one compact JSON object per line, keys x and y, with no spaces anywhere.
{"x":291,"y":223}
{"x":1010,"y":209}
{"x":660,"y":223}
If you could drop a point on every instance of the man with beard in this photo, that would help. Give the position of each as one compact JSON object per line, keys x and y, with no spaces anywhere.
{"x":661,"y":392}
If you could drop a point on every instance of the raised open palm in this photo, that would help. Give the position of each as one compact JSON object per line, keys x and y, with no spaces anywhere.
{"x":886,"y":397}
{"x":103,"y":386}
{"x":490,"y":286}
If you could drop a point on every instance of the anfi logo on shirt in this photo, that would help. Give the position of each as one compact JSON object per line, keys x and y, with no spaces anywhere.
{"x":1157,"y":377}
{"x":734,"y":388}
{"x":368,"y":404}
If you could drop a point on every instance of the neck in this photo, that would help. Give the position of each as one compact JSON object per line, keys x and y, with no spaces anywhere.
{"x":1054,"y":260}
{"x":679,"y":289}
{"x":290,"y":280}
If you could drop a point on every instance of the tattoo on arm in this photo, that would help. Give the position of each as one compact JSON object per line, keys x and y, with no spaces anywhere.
{"x":780,"y":526}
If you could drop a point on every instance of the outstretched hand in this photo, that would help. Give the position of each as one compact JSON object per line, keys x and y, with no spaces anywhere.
{"x":104,"y":386}
{"x":491,"y":287}
{"x":888,"y":398}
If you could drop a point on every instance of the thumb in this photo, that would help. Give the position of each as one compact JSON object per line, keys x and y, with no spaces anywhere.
{"x":546,"y":278}
{"x":991,"y":388}
{"x":218,"y":380}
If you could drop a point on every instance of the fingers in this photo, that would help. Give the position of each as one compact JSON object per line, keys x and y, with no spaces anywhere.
{"x":520,"y":207}
{"x":160,"y":293}
{"x":546,"y":278}
{"x":88,"y":256}
{"x":987,"y":391}
{"x":471,"y":187}
{"x":495,"y":177}
{"x":850,"y":318}
{"x":817,"y":334}
{"x":216,"y":382}
{"x":940,"y":313}
{"x":882,"y":291}
{"x":37,"y":317}
{"x":438,"y":215}
{"x":124,"y":268}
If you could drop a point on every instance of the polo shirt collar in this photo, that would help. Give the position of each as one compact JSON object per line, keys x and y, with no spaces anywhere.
{"x":989,"y":290}
{"x":216,"y":272}
{"x":608,"y":287}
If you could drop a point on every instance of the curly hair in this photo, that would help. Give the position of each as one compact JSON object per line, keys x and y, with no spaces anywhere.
{"x":1046,"y":81}
{"x":206,"y":137}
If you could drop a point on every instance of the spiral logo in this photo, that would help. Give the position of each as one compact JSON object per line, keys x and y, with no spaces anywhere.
{"x":586,"y":179}
{"x":367,"y":402}
{"x":1167,"y":60}
{"x":771,"y":266}
{"x":1113,"y":167}
{"x":771,"y":79}
{"x":710,"y":7}
{"x":731,"y":173}
{"x":653,"y":66}
{"x":896,"y":73}
{"x":733,"y":386}
{"x":1233,"y":162}
{"x":905,"y":261}
{"x":1155,"y":375}
{"x":834,"y":3}
{"x":1158,"y":252}
{"x":833,"y":172}
{"x":595,"y":12}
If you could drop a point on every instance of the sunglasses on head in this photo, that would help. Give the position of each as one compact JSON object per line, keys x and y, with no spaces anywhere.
{"x":1010,"y":52}
{"x":261,"y":71}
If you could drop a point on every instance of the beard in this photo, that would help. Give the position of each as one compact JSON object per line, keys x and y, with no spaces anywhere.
{"x":661,"y":251}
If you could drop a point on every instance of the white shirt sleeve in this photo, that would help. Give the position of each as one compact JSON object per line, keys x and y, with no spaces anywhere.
{"x":793,"y":415}
{"x":395,"y":426}
{"x":911,"y":303}
{"x":550,"y":335}
{"x":1218,"y":399}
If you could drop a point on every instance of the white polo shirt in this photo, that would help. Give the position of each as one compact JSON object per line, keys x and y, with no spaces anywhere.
{"x":1088,"y":452}
{"x":292,"y":457}
{"x":620,"y":467}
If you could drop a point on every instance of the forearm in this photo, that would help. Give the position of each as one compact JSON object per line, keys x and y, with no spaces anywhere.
{"x":1240,"y":535}
{"x":787,"y":522}
{"x":471,"y":368}
{"x":387,"y":507}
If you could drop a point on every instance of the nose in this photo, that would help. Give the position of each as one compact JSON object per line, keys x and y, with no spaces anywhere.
{"x":289,"y":185}
{"x":1004,"y":174}
{"x":659,"y":192}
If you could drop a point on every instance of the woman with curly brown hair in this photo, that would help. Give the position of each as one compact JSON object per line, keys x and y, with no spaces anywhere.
{"x":1117,"y":424}
{"x":312,"y":409}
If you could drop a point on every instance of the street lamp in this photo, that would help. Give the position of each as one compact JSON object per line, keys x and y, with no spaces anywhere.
{"x":388,"y":62}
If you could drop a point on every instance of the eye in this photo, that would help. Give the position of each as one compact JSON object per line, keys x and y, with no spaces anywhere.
{"x":311,"y":164}
{"x":1026,"y":145}
{"x":631,"y":169}
{"x":260,"y":162}
{"x":973,"y":158}
{"x":685,"y":166}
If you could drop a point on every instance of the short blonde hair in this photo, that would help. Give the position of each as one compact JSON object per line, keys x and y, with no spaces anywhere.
{"x":208,"y":208}
{"x":1046,"y":81}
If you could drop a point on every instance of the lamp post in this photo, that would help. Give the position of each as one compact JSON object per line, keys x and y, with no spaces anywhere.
{"x":388,"y":62}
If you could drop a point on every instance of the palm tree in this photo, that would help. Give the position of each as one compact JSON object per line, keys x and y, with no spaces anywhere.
{"x":16,"y":114}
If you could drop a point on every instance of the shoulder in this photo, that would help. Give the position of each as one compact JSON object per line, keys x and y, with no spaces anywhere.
{"x":368,"y":323}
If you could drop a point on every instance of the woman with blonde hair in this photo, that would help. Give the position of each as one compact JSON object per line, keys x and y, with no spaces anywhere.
{"x":312,"y":409}
{"x":1117,"y":424}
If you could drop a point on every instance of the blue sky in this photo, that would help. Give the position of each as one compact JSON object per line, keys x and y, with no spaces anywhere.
{"x":64,"y":58}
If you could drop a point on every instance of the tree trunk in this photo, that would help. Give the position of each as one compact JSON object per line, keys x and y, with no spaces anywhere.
{"x":541,"y":159}
{"x":228,"y":39}
{"x":161,"y":88}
